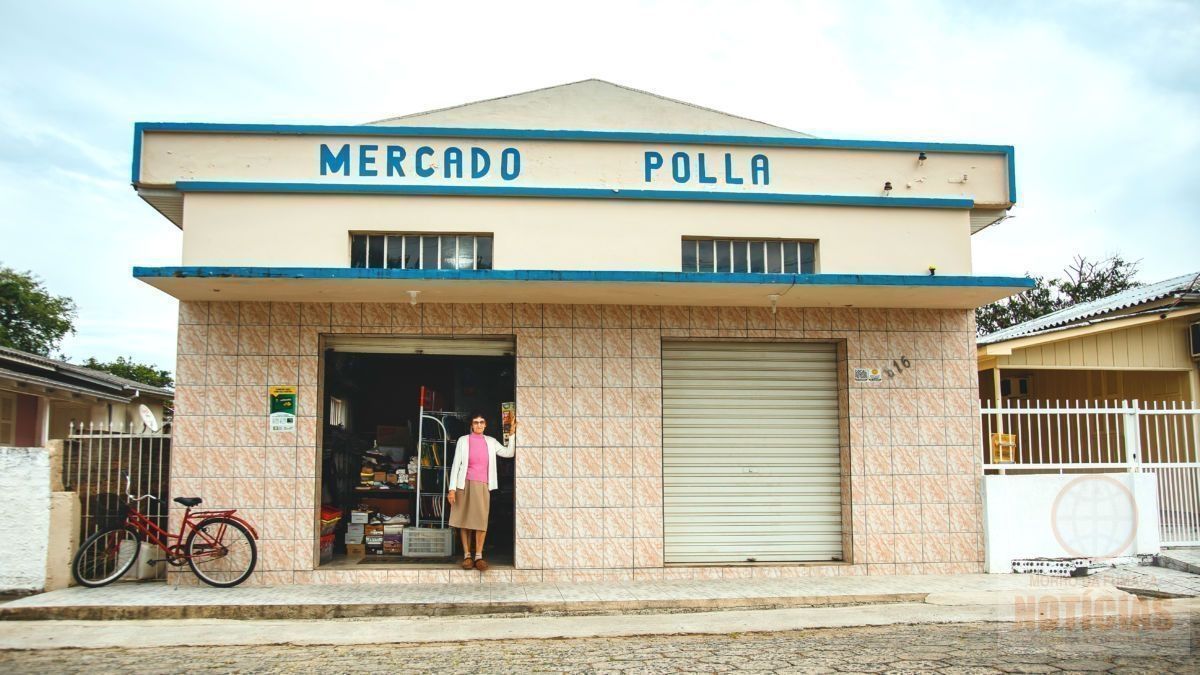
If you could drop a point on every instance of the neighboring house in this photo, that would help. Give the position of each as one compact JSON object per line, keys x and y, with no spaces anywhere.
{"x":41,"y":397}
{"x":1131,"y":345}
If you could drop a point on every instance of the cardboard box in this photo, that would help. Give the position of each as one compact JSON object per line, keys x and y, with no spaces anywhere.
{"x":355,"y":550}
{"x":396,"y":529}
{"x":393,"y":548}
{"x":380,"y":476}
{"x":359,"y":517}
{"x":373,"y":540}
{"x":374,"y":530}
{"x":356,"y":529}
{"x":354,"y":538}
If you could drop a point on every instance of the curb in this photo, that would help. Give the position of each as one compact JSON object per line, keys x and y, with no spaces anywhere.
{"x":431,"y":609}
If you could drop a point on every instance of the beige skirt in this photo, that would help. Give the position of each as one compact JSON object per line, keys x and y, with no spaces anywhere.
{"x":471,"y":506}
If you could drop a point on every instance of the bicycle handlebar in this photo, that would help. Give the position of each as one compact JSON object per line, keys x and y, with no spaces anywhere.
{"x":129,"y":493}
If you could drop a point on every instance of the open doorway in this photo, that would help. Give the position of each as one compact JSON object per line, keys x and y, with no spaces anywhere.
{"x":380,"y":484}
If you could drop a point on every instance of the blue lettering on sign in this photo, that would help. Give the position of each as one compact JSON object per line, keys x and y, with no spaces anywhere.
{"x":424,"y":152}
{"x":510,"y":164}
{"x":704,"y":178}
{"x":681,"y":169}
{"x":480,"y":162}
{"x":758,"y":169}
{"x":729,"y":177}
{"x":686,"y":168}
{"x":453,"y":159}
{"x":331,"y":163}
{"x":395,"y":155}
{"x":370,"y":160}
{"x":366,"y":160}
{"x":654,"y":162}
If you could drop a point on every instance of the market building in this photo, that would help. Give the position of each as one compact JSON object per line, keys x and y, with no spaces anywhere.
{"x":734,"y":349}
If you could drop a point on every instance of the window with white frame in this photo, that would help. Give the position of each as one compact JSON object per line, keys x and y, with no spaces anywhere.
{"x":421,"y":251}
{"x":753,"y":256}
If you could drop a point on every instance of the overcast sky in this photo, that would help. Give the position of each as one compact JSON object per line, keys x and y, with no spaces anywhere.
{"x":1101,"y":100}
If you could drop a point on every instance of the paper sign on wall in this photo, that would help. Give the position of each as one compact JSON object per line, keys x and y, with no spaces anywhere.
{"x":868,"y":375}
{"x":283,"y":408}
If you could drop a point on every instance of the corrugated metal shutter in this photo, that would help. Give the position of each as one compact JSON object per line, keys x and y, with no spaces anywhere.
{"x":750,"y":452}
{"x":387,"y":344}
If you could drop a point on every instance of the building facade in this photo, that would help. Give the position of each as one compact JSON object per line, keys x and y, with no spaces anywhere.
{"x":737,"y":350}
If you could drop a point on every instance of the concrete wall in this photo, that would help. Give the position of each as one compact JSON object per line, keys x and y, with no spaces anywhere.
{"x":588,"y":387}
{"x":1066,"y":516}
{"x":559,"y":234}
{"x":24,"y":517}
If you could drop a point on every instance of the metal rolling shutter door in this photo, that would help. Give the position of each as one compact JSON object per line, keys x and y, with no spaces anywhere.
{"x":750,"y":452}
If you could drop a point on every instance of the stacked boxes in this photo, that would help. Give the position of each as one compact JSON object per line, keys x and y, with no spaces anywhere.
{"x":393,"y":539}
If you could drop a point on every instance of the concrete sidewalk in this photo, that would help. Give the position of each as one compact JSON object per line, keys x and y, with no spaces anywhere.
{"x":1101,"y":607}
{"x":148,"y":601}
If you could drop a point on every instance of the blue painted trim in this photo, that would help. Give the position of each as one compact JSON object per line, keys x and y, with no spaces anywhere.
{"x":581,"y":135}
{"x":343,"y":273}
{"x":573,"y":193}
{"x":136,"y":171}
{"x":1011,"y":158}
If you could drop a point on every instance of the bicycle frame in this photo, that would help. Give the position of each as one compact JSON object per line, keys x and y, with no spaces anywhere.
{"x":163,"y":538}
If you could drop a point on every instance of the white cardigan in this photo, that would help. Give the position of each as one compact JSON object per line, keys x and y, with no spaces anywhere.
{"x":462,"y":451}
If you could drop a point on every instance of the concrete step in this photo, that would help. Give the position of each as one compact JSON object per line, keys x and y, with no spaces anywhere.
{"x":1183,"y":560}
{"x":148,"y":601}
{"x":368,"y":609}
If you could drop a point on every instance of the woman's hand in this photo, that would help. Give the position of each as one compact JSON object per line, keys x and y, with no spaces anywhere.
{"x":450,"y":496}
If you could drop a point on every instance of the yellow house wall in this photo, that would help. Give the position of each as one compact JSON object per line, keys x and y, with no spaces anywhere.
{"x":566,"y":234}
{"x":1156,"y":345}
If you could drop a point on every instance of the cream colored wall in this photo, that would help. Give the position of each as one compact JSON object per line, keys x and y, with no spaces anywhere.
{"x":577,"y":234}
{"x":1162,"y":344}
{"x":168,"y":157}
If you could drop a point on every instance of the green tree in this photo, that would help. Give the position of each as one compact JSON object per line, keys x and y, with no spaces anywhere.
{"x":132,"y":370}
{"x":1085,"y":280}
{"x":31,"y":319}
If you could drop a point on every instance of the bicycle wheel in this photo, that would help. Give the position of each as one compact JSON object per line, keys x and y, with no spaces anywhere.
{"x":105,"y":556}
{"x":221,"y":552}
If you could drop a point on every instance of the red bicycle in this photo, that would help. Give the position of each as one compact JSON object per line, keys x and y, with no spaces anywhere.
{"x":217,"y":544}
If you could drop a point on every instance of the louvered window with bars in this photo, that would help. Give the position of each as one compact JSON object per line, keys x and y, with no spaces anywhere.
{"x":421,"y":251}
{"x":754,"y":256}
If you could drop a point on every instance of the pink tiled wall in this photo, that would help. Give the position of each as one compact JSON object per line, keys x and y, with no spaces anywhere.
{"x":589,"y":457}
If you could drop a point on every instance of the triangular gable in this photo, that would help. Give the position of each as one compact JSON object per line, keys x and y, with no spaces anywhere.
{"x":593,"y":105}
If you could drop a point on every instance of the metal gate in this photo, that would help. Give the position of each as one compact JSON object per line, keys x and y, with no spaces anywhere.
{"x":94,"y":458}
{"x":1162,"y":438}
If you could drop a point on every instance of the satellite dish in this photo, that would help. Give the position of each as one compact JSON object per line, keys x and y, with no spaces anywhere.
{"x":148,"y":417}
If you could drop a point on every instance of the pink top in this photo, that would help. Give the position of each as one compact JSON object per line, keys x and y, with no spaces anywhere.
{"x":477,"y":461}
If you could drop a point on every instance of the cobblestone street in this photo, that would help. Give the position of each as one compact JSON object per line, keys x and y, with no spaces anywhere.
{"x":956,"y":648}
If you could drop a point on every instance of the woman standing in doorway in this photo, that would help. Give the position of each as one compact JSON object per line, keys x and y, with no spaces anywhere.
{"x":472,"y":478}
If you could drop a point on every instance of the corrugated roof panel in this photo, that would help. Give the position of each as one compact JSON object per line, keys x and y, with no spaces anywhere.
{"x":1083,"y":311}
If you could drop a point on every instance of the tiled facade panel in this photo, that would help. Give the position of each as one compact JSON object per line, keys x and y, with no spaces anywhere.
{"x":589,"y":452}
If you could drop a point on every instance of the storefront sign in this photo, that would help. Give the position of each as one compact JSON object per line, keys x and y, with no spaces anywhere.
{"x":283,"y":408}
{"x":398,"y":161}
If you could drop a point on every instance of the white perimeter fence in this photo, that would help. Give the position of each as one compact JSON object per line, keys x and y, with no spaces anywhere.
{"x":1105,"y":436}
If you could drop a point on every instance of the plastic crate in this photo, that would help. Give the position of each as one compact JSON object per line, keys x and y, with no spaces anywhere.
{"x":427,"y":542}
{"x":330,"y":517}
{"x":326,"y":548}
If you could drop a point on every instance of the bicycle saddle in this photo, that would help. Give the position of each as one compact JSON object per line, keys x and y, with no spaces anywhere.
{"x":188,"y":501}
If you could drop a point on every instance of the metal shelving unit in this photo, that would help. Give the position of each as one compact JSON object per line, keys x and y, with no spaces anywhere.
{"x":431,"y":535}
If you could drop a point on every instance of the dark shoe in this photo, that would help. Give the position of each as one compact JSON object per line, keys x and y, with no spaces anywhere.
{"x":467,"y":564}
{"x":481,"y":565}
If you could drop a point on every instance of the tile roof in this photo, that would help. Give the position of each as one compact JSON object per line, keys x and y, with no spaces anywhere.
{"x":1081,"y":313}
